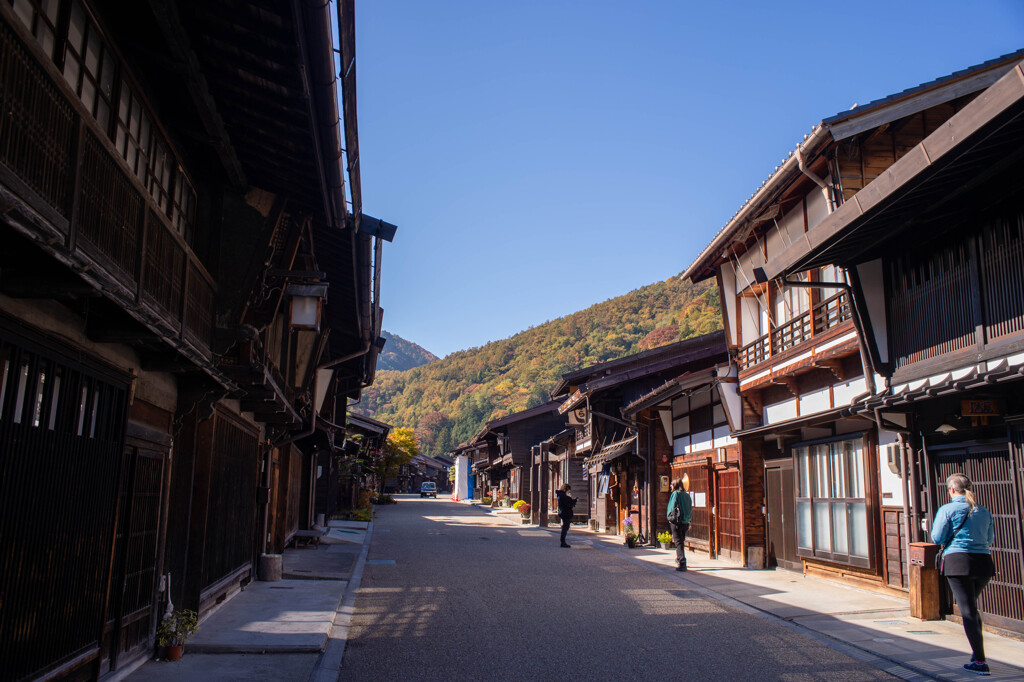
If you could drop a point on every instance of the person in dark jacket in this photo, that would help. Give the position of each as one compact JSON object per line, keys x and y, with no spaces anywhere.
{"x":965,"y":528}
{"x":565,"y":507}
{"x":681,"y":499}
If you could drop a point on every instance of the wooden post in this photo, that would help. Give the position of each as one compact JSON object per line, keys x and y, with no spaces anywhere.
{"x":924,"y":593}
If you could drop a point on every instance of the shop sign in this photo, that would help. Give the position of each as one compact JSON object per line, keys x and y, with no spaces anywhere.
{"x":979,"y":408}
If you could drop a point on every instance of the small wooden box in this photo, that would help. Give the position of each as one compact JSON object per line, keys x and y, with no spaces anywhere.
{"x":923,"y":554}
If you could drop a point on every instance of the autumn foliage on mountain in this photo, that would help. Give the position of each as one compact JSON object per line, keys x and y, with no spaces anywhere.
{"x":448,"y":401}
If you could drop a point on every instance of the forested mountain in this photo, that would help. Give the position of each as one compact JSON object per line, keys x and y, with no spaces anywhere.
{"x":399,"y":354}
{"x":448,"y":401}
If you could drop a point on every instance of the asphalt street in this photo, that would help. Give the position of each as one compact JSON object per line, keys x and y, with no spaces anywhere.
{"x":452,"y":592}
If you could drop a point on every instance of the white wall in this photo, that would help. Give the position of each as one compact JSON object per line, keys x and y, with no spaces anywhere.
{"x":817,"y":207}
{"x":460,"y":488}
{"x":780,"y":411}
{"x":889,"y":483}
{"x":728,"y":294}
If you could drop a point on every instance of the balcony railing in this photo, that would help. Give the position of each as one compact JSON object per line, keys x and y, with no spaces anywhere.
{"x":100,"y":209}
{"x":827,"y":314}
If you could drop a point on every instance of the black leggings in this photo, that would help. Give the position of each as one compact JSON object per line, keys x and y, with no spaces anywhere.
{"x":678,"y":531}
{"x":566,"y":520}
{"x":966,"y":590}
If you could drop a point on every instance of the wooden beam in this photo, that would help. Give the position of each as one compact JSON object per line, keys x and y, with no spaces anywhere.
{"x":835,"y":366}
{"x":23,"y":284}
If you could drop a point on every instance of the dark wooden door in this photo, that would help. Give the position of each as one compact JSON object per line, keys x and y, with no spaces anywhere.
{"x":781,"y":517}
{"x":62,"y":423}
{"x":996,"y":480}
{"x":132,"y":611}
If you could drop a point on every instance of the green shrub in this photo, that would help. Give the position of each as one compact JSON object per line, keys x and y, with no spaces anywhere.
{"x":486,"y":500}
{"x":384,"y":499}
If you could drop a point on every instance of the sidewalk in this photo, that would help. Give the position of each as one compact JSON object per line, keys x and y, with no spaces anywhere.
{"x":292,"y":629}
{"x":866,"y":625}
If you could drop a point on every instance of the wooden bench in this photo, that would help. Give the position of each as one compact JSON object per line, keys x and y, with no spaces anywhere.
{"x":307,"y":537}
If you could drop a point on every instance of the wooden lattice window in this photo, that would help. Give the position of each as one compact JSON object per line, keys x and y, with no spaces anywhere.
{"x":89,"y":65}
{"x":158,"y":177}
{"x":40,"y":17}
{"x":132,"y":138}
{"x":831,"y":502}
{"x":183,"y":206}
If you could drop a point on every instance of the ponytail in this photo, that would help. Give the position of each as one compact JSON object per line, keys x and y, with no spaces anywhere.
{"x":961,"y":485}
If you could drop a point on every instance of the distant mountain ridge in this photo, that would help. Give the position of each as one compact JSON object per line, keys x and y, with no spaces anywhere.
{"x":447,"y":401}
{"x":400,"y":355}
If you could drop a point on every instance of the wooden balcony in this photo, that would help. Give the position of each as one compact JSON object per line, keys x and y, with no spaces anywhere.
{"x":826,"y":315}
{"x":70,"y":191}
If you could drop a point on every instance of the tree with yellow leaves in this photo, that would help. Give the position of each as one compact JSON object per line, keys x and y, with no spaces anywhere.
{"x":399,"y":450}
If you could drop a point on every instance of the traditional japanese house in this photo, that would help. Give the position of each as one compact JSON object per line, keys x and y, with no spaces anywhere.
{"x":682,"y":427}
{"x":935,"y":248}
{"x":170,"y":194}
{"x":480,"y":456}
{"x":801,"y":356}
{"x":508,"y":440}
{"x":620,"y":477}
{"x":342,"y":472}
{"x":561,"y":464}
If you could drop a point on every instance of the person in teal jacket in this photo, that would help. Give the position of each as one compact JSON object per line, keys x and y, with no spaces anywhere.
{"x":965,"y":529}
{"x":680,"y":498}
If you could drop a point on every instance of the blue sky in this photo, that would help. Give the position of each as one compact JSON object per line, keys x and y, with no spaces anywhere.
{"x":543,"y":156}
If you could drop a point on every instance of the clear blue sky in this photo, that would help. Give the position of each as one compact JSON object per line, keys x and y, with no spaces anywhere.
{"x":540,"y":156}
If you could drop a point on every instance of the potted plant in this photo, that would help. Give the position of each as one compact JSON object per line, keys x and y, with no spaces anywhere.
{"x":665,"y":538}
{"x":523,"y":507}
{"x":174,"y":629}
{"x":629,"y":530}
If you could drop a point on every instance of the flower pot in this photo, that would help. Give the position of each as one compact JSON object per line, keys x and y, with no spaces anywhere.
{"x":666,"y":545}
{"x":630,"y":542}
{"x":525,"y":519}
{"x":174,"y":652}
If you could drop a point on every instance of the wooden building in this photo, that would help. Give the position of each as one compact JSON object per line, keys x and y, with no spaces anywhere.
{"x":798,"y":340}
{"x":937,"y":255}
{"x":175,"y":246}
{"x":342,"y":473}
{"x":555,"y":463}
{"x":621,"y":478}
{"x":508,"y":442}
{"x":683,"y":429}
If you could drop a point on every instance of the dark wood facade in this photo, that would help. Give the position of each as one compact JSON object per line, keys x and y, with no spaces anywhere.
{"x":619,"y":448}
{"x":508,"y":442}
{"x":156,"y":399}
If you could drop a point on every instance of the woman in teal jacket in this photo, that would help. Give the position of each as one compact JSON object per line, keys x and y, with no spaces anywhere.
{"x":680,"y":498}
{"x":965,"y":529}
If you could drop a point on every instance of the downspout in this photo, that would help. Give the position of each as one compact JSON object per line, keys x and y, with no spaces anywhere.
{"x":829,"y":201}
{"x":908,"y":523}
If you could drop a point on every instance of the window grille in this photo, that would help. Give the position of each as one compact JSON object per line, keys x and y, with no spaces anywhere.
{"x":831,"y":502}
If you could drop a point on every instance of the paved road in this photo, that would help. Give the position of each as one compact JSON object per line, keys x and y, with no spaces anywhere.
{"x":450,"y":592}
